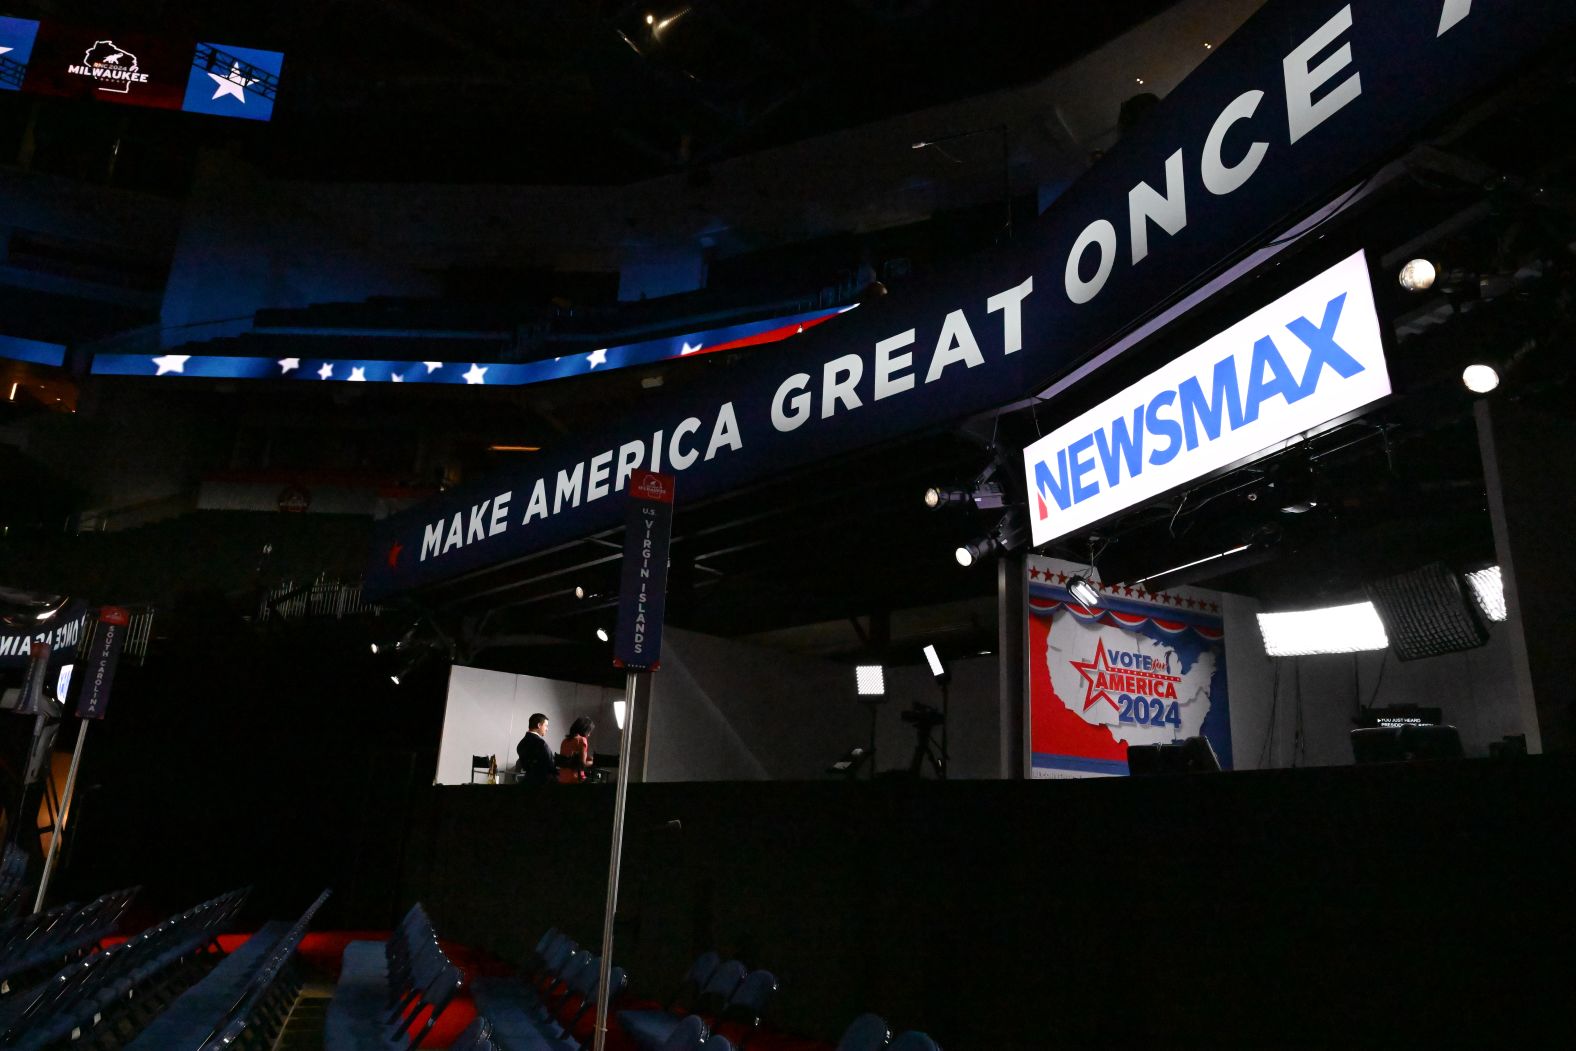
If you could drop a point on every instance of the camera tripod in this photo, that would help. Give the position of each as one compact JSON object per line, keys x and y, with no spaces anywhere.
{"x":925,"y":720}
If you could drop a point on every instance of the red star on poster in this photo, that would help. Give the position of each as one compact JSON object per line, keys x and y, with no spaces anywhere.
{"x":1191,"y":603}
{"x":1061,"y":578}
{"x":1086,"y":668}
{"x":1034,"y":574}
{"x":394,"y":550}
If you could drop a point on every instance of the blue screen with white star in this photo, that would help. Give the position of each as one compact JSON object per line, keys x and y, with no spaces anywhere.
{"x":16,"y":47}
{"x":229,"y":81}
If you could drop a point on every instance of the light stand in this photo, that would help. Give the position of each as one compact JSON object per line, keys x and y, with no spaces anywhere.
{"x":871,"y":682}
{"x":943,"y":676}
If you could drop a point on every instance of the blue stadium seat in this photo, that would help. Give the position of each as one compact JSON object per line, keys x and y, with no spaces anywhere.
{"x":520,"y":1025}
{"x":390,"y":994}
{"x":868,"y":1032}
{"x":913,"y":1040}
{"x":694,"y":981}
{"x":102,"y":984}
{"x":477,"y":1037}
{"x":650,"y":1028}
{"x":245,"y":995}
{"x":689,"y":1034}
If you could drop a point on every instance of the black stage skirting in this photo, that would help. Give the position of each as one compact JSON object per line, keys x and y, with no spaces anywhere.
{"x":1337,"y":906}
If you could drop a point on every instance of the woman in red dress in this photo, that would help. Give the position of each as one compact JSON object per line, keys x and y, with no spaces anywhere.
{"x":575,"y":753}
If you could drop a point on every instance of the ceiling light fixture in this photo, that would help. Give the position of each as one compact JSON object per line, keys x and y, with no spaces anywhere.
{"x":1418,"y":275}
{"x":514,"y":448}
{"x":601,"y":634}
{"x":1480,"y":379}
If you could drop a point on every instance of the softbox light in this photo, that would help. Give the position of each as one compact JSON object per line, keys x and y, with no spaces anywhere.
{"x":1426,"y":612}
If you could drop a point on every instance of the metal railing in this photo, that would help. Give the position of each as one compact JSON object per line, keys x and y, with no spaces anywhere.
{"x":320,"y":598}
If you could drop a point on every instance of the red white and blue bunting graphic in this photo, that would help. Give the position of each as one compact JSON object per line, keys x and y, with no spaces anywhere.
{"x":1126,"y":607}
{"x":474,"y":373}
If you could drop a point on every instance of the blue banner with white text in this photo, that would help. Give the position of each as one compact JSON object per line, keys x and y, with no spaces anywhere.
{"x":643,"y":582}
{"x":1300,"y":104}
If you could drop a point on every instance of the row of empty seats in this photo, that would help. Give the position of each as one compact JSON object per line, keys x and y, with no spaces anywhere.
{"x":249,"y":994}
{"x":726,"y":997}
{"x":40,"y":943}
{"x":391,"y":993}
{"x":114,"y":989}
{"x":13,"y":880}
{"x":555,"y":1009}
{"x":718,"y":1006}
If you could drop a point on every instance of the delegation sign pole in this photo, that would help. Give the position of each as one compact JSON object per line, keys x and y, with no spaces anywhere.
{"x":637,"y":647}
{"x":98,"y":673}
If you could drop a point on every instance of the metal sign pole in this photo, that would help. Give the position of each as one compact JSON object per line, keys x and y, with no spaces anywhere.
{"x":64,"y":816}
{"x":625,"y":755}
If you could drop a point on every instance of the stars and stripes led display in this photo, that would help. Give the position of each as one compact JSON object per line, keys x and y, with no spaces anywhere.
{"x":137,"y":69}
{"x":497,"y":374}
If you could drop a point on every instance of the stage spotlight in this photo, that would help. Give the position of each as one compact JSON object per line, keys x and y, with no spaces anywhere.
{"x":398,"y":645}
{"x":937,"y":669}
{"x":936,"y":498}
{"x":580,"y":592}
{"x":601,"y":634}
{"x":974,"y":551}
{"x":1480,"y":379}
{"x":1418,"y":275}
{"x":1085,"y":592}
{"x":411,"y":664}
{"x":871,"y":680}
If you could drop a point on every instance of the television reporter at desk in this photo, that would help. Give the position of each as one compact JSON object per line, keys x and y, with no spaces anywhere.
{"x":574,"y":755}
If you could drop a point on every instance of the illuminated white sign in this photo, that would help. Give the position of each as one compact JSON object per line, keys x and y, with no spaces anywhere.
{"x":1308,"y":358}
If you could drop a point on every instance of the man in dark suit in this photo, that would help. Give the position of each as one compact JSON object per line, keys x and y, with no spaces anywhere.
{"x":536,"y":755}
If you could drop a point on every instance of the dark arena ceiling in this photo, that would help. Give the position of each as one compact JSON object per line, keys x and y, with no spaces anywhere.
{"x":590,"y":91}
{"x":580,"y":91}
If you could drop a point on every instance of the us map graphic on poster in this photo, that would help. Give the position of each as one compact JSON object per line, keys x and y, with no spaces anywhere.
{"x":1142,"y":668}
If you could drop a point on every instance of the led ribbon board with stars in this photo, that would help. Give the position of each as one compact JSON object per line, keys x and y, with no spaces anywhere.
{"x":494,"y":374}
{"x":134,"y":68}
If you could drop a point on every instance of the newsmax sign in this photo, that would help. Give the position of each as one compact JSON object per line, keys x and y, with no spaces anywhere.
{"x":1312,"y":356}
{"x":1303,"y":100}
